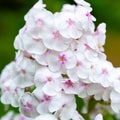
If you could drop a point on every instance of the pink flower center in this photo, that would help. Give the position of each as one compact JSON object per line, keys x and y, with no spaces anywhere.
{"x":88,"y":15}
{"x":6,"y":89}
{"x":28,"y":55}
{"x":28,"y":107}
{"x":70,"y":22}
{"x":104,"y":71}
{"x":56,"y":35}
{"x":87,"y":47}
{"x":62,"y":58}
{"x":69,"y":83}
{"x":39,"y":23}
{"x":49,"y":79}
{"x":46,"y":99}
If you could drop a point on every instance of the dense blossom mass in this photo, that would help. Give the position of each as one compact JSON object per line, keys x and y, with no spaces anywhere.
{"x":59,"y":56}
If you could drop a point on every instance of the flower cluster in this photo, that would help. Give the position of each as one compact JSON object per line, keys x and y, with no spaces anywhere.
{"x":12,"y":116}
{"x":59,"y":56}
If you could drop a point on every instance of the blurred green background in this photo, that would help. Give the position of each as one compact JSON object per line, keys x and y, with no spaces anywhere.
{"x":12,"y":19}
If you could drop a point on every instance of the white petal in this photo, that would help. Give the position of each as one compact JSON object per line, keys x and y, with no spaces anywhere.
{"x":99,"y":117}
{"x":72,"y":74}
{"x":51,"y":88}
{"x":46,"y":117}
{"x":42,"y":108}
{"x":82,"y":2}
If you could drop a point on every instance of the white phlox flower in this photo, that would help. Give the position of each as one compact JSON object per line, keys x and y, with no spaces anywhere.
{"x":103,"y":70}
{"x":23,"y":76}
{"x":28,"y":104}
{"x":10,"y":91}
{"x":70,"y":87}
{"x":60,"y":61}
{"x":48,"y":81}
{"x":67,"y":25}
{"x":49,"y":103}
{"x":32,"y":44}
{"x":85,"y":19}
{"x":59,"y":43}
{"x":81,"y":70}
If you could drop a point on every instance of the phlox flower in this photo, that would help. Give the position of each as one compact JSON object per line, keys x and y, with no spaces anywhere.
{"x":82,"y":68}
{"x":23,"y":76}
{"x":28,"y":104}
{"x":50,"y":104}
{"x":103,"y":71}
{"x":85,"y":19}
{"x":48,"y":81}
{"x":26,"y":42}
{"x":59,"y":61}
{"x":70,"y":87}
{"x":67,"y":25}
{"x":10,"y":91}
{"x":59,"y":42}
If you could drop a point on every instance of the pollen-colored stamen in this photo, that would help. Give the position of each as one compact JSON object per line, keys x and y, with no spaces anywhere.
{"x":69,"y":83}
{"x":49,"y":79}
{"x":62,"y":59}
{"x":36,"y":39}
{"x":99,"y":46}
{"x":23,"y":71}
{"x":78,"y":64}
